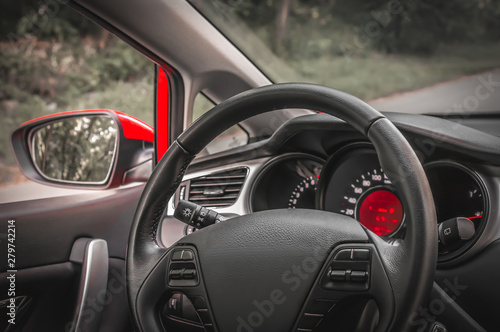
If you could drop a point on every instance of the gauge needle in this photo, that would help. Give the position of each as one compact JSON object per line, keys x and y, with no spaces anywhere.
{"x":474,"y":217}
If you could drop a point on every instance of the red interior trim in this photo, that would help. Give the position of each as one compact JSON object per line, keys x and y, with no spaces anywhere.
{"x":162,"y":113}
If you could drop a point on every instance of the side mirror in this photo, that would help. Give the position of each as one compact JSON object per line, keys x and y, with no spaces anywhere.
{"x":93,"y":149}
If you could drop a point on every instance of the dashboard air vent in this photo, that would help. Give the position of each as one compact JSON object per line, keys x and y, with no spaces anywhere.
{"x":218,"y":189}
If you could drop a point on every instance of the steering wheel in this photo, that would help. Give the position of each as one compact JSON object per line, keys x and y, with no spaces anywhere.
{"x":268,"y":271}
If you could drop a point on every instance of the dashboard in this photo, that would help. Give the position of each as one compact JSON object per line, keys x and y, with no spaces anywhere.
{"x":319,"y":162}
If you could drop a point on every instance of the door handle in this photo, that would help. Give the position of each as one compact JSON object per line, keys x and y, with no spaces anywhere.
{"x":92,"y":254}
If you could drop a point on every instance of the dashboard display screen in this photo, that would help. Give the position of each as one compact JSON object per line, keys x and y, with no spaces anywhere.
{"x":381,"y":212}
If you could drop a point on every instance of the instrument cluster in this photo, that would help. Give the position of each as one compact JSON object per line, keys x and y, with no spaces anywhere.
{"x":352,"y":182}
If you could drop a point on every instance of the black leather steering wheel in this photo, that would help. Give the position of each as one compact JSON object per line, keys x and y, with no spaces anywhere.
{"x":252,"y":260}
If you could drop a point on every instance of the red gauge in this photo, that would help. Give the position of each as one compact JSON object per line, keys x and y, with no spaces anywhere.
{"x":381,"y":212}
{"x":370,"y":198}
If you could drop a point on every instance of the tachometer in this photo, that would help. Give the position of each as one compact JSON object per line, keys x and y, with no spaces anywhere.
{"x":288,"y":181}
{"x":304,"y":194}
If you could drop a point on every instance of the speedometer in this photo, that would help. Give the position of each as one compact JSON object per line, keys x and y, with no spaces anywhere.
{"x":371,"y":199}
{"x":354,"y":184}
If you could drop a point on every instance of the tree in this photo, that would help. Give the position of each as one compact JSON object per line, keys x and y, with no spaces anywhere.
{"x":281,"y":23}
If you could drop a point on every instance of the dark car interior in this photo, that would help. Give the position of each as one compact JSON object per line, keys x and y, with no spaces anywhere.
{"x":333,"y":216}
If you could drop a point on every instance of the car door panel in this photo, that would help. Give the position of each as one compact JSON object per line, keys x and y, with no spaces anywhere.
{"x":46,"y":230}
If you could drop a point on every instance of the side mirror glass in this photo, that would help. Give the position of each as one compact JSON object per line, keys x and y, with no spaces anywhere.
{"x":93,"y":149}
{"x":76,"y":149}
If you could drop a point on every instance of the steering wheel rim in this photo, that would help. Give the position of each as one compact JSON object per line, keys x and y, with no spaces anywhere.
{"x":409,"y":264}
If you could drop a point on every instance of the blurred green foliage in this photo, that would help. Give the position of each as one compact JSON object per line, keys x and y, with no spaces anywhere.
{"x":367,"y":48}
{"x":406,"y":26}
{"x":52,"y":59}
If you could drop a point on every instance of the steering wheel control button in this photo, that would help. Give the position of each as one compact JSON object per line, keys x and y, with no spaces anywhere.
{"x":349,"y":270}
{"x":182,"y":255}
{"x":359,"y":276}
{"x":182,"y":274}
{"x":338,"y":275}
{"x":361,"y":254}
{"x":354,"y":254}
{"x":183,"y":270}
{"x":344,"y":255}
{"x":176,"y":274}
{"x":179,"y":307}
{"x":177,"y":255}
{"x":174,"y":305}
{"x":188,"y":274}
{"x":187,"y":255}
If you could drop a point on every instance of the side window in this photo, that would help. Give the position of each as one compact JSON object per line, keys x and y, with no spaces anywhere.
{"x":231,"y":138}
{"x":201,"y":105}
{"x":54,"y":61}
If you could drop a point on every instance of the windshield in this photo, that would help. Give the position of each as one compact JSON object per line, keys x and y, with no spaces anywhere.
{"x":402,"y":56}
